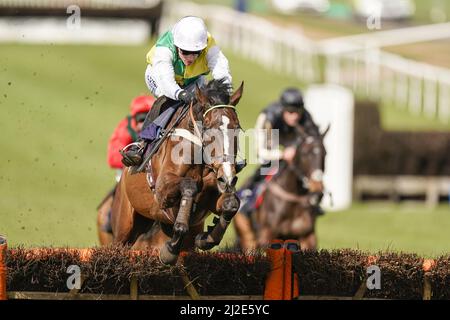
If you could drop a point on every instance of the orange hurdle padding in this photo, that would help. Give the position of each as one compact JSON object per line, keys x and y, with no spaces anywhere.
{"x":274,"y":288}
{"x":282,"y":283}
{"x":290,"y":290}
{"x":2,"y":268}
{"x":428,"y":264}
{"x":371,"y":260}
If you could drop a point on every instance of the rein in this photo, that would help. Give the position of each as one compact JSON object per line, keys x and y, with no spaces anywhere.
{"x":280,"y":192}
{"x":197,"y":136}
{"x":196,"y":129}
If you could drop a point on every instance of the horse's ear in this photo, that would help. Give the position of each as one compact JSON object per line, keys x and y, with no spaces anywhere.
{"x":234,"y":100}
{"x":326,"y":131}
{"x":200,"y":96}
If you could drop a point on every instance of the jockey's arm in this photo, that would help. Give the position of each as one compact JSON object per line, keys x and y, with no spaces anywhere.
{"x":264,"y":144}
{"x":218,"y":64}
{"x":164,"y":73}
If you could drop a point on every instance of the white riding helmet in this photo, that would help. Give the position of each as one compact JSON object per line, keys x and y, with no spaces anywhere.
{"x":190,"y":34}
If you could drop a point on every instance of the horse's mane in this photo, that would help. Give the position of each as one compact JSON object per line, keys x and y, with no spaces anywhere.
{"x":218,"y":91}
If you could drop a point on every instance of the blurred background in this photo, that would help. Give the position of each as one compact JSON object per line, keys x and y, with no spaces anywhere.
{"x":69,"y":70}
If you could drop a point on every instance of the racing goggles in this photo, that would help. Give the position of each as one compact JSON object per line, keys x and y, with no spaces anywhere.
{"x":188,"y":53}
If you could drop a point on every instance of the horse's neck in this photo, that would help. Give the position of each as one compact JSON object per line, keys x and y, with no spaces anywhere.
{"x":289,"y":181}
{"x":183,"y":123}
{"x":161,"y":157}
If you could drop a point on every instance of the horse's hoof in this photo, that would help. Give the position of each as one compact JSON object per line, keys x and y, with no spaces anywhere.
{"x":201,"y":243}
{"x":166,"y":257}
{"x":188,"y":187}
{"x":230,"y":206}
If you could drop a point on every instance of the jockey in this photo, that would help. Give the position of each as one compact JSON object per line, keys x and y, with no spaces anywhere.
{"x":181,"y":58}
{"x":283,"y":115}
{"x":128,"y":130}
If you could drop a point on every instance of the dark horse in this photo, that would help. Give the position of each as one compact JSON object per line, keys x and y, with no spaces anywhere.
{"x":286,"y":210}
{"x":165,"y":207}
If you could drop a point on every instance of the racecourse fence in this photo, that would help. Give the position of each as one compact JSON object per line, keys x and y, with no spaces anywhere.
{"x":148,"y":11}
{"x":430,"y":189}
{"x":420,"y":88}
{"x":119,"y":273}
{"x":98,"y":4}
{"x":398,"y":165}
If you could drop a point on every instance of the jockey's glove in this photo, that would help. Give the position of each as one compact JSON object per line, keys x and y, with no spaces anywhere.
{"x":186,"y":96}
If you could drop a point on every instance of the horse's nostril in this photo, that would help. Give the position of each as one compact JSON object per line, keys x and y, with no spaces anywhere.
{"x":234,"y":181}
{"x":221,"y":179}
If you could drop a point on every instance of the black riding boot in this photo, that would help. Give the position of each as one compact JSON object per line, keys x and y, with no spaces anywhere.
{"x":132,"y":156}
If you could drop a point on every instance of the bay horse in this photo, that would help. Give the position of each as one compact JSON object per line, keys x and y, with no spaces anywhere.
{"x":286,"y":209}
{"x":166,"y":206}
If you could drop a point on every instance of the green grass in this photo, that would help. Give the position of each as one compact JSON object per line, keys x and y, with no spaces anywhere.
{"x":423,"y":9}
{"x":58,"y":108}
{"x":395,"y":227}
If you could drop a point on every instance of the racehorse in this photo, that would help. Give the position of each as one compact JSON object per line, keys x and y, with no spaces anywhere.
{"x":286,"y":211}
{"x":165,"y":207}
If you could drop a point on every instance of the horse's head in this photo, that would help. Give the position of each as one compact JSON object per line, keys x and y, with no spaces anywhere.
{"x":310,"y":160}
{"x":216,"y":109}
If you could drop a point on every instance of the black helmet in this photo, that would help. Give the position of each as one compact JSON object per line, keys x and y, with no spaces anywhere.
{"x":292,"y":99}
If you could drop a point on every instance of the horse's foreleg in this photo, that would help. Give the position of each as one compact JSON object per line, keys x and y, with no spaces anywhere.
{"x":169,"y":253}
{"x":309,"y":242}
{"x":244,"y":230}
{"x":265,"y":235}
{"x":122,"y":217}
{"x":227,"y":206}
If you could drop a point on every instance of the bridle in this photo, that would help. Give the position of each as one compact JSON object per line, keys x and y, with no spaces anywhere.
{"x":197,"y":138}
{"x":306,"y":200}
{"x":316,"y":174}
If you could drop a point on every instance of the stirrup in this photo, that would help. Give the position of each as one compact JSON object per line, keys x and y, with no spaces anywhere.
{"x":137,"y":143}
{"x":130,"y":161}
